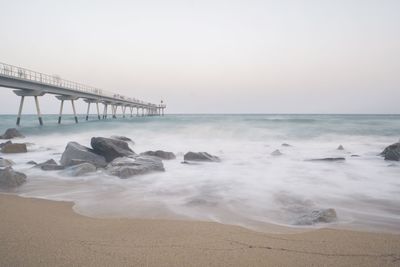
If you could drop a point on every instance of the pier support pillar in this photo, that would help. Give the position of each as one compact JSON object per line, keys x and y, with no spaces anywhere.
{"x":105,"y":111}
{"x":123,"y":111}
{"x":98,"y":111}
{"x":88,"y":110}
{"x":22,"y":94}
{"x":73,"y":109}
{"x":131,"y":108}
{"x":21,"y":104}
{"x":61,"y":110}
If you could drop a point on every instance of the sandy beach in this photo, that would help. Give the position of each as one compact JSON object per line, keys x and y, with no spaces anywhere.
{"x":35,"y":232}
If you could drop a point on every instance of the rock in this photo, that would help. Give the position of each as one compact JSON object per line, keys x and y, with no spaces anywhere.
{"x":355,"y":156}
{"x":121,"y":138}
{"x":276,"y":153}
{"x":340,"y":147}
{"x":14,"y":148}
{"x":6,"y":163}
{"x":31,"y":162}
{"x":128,"y":167}
{"x":111,"y":149}
{"x":328,"y":159}
{"x":11,"y":133}
{"x":200,"y":156}
{"x":160,"y":154}
{"x":75,"y":154}
{"x":392,"y":152}
{"x":49,"y":165}
{"x":10,"y":178}
{"x":81,"y":169}
{"x":317,"y":216}
{"x":190,"y":163}
{"x":6,"y":143}
{"x":286,"y":145}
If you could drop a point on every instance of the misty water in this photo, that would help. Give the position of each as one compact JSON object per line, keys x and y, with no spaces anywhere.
{"x":249,"y":187}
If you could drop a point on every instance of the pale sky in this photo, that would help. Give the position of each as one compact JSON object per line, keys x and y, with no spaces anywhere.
{"x":213,"y":56}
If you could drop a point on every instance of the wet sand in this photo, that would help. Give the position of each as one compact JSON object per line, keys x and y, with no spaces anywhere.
{"x":35,"y":232}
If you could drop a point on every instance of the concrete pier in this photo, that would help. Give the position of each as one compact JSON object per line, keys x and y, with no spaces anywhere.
{"x":34,"y":84}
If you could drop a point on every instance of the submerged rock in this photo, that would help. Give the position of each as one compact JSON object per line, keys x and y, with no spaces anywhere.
{"x":160,"y":154}
{"x":276,"y":153}
{"x":286,"y":145}
{"x":11,"y":133}
{"x":6,"y":143}
{"x":81,"y":169}
{"x":317,"y":216}
{"x":10,"y":178}
{"x":392,"y":152}
{"x":6,"y":163}
{"x":200,"y":156}
{"x":14,"y":148}
{"x":49,"y":165}
{"x":328,"y":159}
{"x":340,"y":147}
{"x":111,"y":149}
{"x":75,"y":154}
{"x":31,"y":162}
{"x":128,"y":167}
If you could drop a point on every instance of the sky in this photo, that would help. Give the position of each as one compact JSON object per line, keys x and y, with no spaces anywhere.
{"x":213,"y":56}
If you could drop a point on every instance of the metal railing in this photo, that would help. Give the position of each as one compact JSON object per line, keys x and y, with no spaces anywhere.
{"x":8,"y":70}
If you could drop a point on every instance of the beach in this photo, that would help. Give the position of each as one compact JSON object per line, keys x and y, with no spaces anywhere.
{"x":37,"y":232}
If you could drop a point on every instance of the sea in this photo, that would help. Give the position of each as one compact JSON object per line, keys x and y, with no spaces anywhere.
{"x":250,"y":187}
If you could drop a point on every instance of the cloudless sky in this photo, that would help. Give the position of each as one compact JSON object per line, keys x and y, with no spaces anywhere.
{"x":213,"y":56}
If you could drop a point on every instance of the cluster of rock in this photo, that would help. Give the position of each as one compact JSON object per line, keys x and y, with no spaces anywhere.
{"x":317,"y":216}
{"x":10,"y":147}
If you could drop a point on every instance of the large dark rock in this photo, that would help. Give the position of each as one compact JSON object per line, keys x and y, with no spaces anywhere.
{"x":200,"y":156}
{"x":11,"y":133}
{"x":4,"y":144}
{"x":160,"y":154}
{"x":49,"y":165}
{"x":340,"y":147}
{"x":392,"y":152}
{"x":75,"y":154}
{"x":317,"y":216}
{"x":10,"y":178}
{"x":111,"y":149}
{"x":128,"y":167}
{"x":14,"y":148}
{"x":81,"y":169}
{"x":6,"y":163}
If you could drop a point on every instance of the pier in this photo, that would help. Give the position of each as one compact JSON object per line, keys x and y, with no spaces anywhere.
{"x":28,"y":83}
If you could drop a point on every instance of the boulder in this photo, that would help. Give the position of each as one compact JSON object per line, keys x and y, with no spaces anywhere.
{"x":49,"y":165}
{"x":392,"y":152}
{"x":121,"y":138}
{"x":340,"y":147}
{"x":160,"y":154}
{"x":31,"y":162}
{"x":14,"y":148}
{"x":75,"y":153}
{"x":317,"y":216}
{"x":10,"y":178}
{"x":111,"y":149}
{"x":6,"y":143}
{"x":328,"y":159}
{"x":81,"y":169}
{"x":200,"y":156}
{"x":11,"y":133}
{"x":6,"y":163}
{"x":276,"y":153}
{"x":128,"y":167}
{"x":286,"y":145}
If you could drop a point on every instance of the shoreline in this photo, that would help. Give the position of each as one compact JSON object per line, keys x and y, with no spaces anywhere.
{"x":38,"y":232}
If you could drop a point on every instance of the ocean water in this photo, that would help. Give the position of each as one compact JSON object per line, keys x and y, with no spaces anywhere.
{"x":250,"y":187}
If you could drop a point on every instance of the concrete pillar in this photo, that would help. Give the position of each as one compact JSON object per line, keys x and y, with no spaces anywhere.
{"x":123,"y":111}
{"x":131,"y":111}
{"x":21,"y":104}
{"x":105,"y":111}
{"x":114,"y":110}
{"x":38,"y":110}
{"x":137,"y":111}
{"x":88,"y":110}
{"x":142,"y":112}
{"x":61,"y":110}
{"x":98,"y":111}
{"x":73,"y":109}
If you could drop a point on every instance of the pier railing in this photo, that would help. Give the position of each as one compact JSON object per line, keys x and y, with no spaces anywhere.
{"x":15,"y":72}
